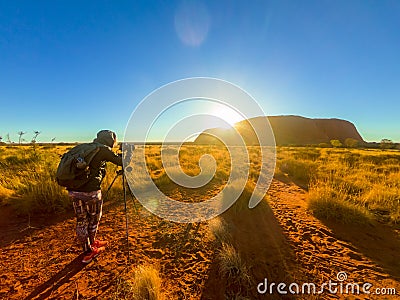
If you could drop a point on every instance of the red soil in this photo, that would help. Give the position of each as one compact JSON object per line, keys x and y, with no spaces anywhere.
{"x":279,"y":240}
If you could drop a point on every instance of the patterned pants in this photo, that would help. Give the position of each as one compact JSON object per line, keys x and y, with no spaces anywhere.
{"x":87,"y":207}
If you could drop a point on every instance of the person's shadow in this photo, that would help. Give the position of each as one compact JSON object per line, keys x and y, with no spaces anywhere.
{"x":44,"y":290}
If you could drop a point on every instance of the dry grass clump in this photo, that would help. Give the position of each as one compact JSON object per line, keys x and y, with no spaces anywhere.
{"x":298,"y":169}
{"x":146,"y":284}
{"x":143,"y":284}
{"x":329,"y":203}
{"x":45,"y":196}
{"x":27,"y":177}
{"x":347,"y":181}
{"x":383,"y":200}
{"x":232,"y":266}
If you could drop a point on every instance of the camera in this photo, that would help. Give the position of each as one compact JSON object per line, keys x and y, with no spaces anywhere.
{"x":127,"y":150}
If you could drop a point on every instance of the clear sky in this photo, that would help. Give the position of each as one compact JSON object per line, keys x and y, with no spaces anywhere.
{"x":71,"y":68}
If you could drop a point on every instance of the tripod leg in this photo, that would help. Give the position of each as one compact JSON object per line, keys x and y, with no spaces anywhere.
{"x":126,"y":217}
{"x":134,"y":204}
{"x":109,"y":188}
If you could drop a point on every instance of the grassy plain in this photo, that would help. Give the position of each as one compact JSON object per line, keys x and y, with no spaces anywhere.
{"x":351,"y":187}
{"x":344,"y":184}
{"x":347,"y":185}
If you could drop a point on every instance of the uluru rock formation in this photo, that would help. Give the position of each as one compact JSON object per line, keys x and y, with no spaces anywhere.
{"x":288,"y":130}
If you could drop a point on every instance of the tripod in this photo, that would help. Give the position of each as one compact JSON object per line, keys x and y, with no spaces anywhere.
{"x":124,"y":186}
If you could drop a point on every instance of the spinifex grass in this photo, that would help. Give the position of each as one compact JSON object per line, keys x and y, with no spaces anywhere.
{"x":232,"y":266}
{"x":28,"y":175}
{"x":27,"y":179}
{"x":367,"y":179}
{"x":144,"y":283}
{"x":344,"y":182}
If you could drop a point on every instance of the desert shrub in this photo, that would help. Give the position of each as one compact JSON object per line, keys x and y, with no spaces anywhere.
{"x":146,"y":284}
{"x":351,"y":143}
{"x":298,"y":169}
{"x":27,"y":176}
{"x":336,"y":143}
{"x":329,"y":203}
{"x":232,"y":266}
{"x":350,"y":185}
{"x":45,"y":196}
{"x":381,"y":197}
{"x":142,"y":284}
{"x":362,"y":179}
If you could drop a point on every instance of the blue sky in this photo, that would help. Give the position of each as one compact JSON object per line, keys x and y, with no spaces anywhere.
{"x":71,"y":68}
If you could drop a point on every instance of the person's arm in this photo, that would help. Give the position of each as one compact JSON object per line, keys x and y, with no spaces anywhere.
{"x":112,"y":157}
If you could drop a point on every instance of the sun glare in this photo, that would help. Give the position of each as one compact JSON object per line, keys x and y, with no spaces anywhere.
{"x":227,"y":114}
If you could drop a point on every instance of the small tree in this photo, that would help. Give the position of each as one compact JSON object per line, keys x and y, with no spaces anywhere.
{"x":8,"y":138}
{"x":36,"y":133}
{"x":336,"y":143}
{"x":53,"y":139}
{"x":1,"y":138}
{"x":20,"y":133}
{"x":351,"y":143}
{"x":387,"y":144}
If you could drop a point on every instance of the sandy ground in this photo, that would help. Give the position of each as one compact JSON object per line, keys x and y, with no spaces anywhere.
{"x":279,"y":241}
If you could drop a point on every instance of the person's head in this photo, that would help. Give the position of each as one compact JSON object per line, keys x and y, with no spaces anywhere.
{"x":106,"y":137}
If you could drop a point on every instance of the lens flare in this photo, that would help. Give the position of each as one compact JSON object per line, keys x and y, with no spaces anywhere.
{"x":231,"y":100}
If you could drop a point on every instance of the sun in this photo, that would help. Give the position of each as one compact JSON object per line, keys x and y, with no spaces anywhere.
{"x":226,"y":114}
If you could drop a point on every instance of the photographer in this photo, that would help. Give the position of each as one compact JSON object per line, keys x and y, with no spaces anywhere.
{"x":87,"y":199}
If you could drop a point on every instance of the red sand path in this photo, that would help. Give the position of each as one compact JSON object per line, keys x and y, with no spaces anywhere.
{"x":281,"y":241}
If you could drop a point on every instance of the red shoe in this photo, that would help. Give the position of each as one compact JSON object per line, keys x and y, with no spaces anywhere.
{"x":94,"y":253}
{"x":98,"y":243}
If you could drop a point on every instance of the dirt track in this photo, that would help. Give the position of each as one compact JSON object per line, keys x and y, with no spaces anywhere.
{"x":281,"y":241}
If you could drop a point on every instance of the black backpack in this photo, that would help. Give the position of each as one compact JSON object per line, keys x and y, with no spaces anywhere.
{"x":73,"y":169}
